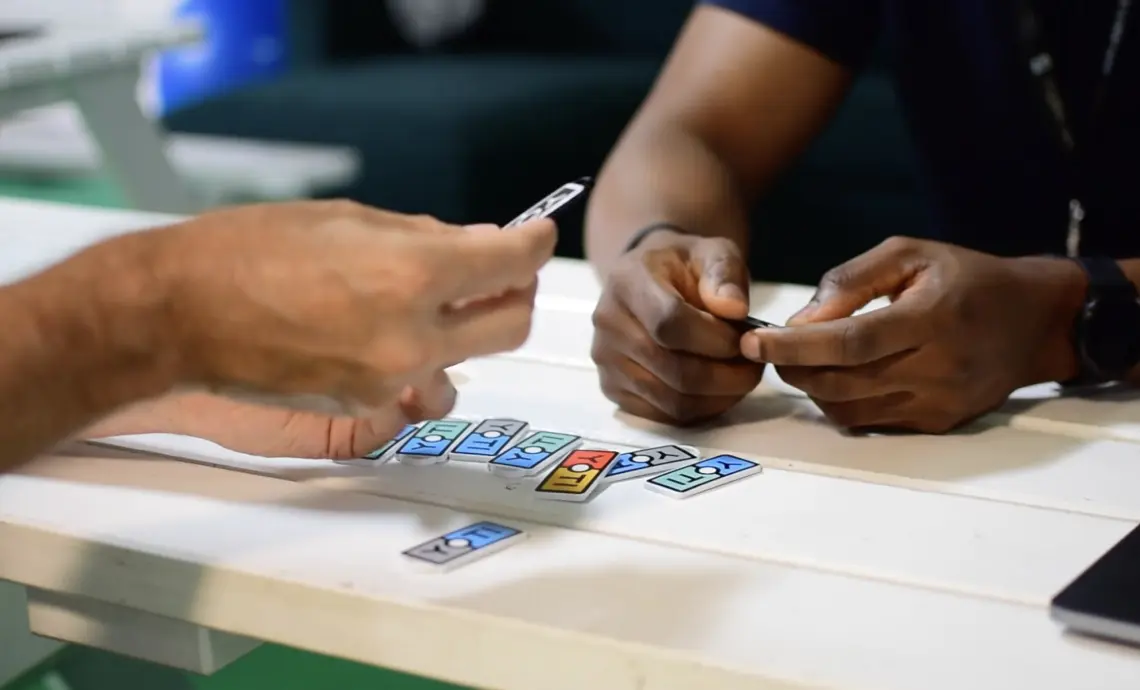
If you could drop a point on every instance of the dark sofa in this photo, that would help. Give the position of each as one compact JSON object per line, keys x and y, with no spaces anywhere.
{"x":536,"y":94}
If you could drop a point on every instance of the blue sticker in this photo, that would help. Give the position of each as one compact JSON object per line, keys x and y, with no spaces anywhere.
{"x":536,"y":449}
{"x":462,"y":542}
{"x":489,"y":438}
{"x":639,"y":462}
{"x":686,"y":479}
{"x":434,"y":438}
{"x":379,"y":452}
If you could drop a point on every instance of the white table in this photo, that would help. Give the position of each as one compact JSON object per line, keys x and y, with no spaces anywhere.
{"x":879,"y":563}
{"x":97,"y":68}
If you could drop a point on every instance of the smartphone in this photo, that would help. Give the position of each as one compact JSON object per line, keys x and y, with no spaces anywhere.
{"x":1104,"y":600}
{"x":557,"y":203}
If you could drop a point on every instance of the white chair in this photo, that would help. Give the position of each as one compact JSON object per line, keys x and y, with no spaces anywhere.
{"x":96,"y":66}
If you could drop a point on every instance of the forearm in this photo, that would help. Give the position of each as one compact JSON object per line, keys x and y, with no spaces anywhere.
{"x":662,"y":174}
{"x":80,"y":341}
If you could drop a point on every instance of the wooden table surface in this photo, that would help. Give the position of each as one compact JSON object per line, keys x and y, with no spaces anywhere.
{"x":857,"y":563}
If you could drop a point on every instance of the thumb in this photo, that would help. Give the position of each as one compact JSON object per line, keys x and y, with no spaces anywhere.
{"x":723,"y":279}
{"x":849,"y":287}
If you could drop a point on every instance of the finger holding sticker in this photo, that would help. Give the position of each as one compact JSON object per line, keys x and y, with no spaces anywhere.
{"x":336,"y":307}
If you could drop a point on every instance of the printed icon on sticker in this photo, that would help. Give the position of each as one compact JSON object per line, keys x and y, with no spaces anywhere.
{"x":488,"y":439}
{"x":430,"y":443}
{"x":577,"y":477}
{"x":708,"y":474}
{"x":534,"y":453}
{"x":464,"y":545}
{"x":640,"y":463}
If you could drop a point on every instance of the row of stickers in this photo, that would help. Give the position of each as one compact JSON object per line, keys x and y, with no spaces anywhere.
{"x":511,"y":449}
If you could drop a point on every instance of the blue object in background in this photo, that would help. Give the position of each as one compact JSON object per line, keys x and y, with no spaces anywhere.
{"x":245,"y":42}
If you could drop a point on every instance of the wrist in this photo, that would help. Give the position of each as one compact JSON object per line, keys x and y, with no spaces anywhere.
{"x":124,"y":317}
{"x":1060,"y":286}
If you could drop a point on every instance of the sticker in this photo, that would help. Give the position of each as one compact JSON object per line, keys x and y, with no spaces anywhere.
{"x":556,"y":200}
{"x":464,"y":545}
{"x":384,"y":453}
{"x":431,"y":441}
{"x":488,"y":439}
{"x":576,"y":477}
{"x":534,"y":453}
{"x":703,"y":476}
{"x":646,"y":461}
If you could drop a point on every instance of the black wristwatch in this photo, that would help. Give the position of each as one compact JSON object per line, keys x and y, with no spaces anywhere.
{"x":1106,"y":333}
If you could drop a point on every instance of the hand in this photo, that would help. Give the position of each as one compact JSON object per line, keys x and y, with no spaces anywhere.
{"x":338,"y":307}
{"x":962,"y":332}
{"x":275,"y":431}
{"x":661,"y":350}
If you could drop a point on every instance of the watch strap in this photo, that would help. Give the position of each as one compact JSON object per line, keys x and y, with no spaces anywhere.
{"x":1104,"y":274}
{"x":1105,"y":280}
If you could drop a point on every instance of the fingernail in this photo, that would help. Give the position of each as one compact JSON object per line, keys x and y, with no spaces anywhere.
{"x":730,"y":291}
{"x":750,"y":346}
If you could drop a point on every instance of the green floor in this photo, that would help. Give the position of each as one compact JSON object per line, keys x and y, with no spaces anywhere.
{"x":270,"y":667}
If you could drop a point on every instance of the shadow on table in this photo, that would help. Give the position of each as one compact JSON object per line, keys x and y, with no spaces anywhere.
{"x":791,"y":429}
{"x":1113,"y":395}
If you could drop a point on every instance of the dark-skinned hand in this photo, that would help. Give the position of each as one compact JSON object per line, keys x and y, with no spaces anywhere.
{"x":963,"y":331}
{"x":661,"y":350}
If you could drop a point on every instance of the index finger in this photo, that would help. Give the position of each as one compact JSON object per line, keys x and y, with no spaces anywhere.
{"x":489,"y":261}
{"x":849,"y":341}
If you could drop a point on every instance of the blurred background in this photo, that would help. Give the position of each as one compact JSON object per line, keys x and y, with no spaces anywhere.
{"x":469,"y":110}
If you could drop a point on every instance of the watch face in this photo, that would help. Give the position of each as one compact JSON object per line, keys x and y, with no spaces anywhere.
{"x":1112,"y":335}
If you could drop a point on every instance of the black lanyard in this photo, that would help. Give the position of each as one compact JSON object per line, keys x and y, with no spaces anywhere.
{"x":1042,"y":66}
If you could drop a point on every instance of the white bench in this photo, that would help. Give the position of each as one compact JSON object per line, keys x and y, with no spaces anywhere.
{"x":98,"y":69}
{"x":217,"y":169}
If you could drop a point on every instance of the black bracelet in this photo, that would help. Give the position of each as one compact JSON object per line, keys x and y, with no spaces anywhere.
{"x":640,"y":235}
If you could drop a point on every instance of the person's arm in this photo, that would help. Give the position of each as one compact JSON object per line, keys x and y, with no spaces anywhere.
{"x":736,"y":102}
{"x":80,"y":340}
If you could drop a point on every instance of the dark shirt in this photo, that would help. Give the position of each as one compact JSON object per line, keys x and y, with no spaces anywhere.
{"x":998,"y":179}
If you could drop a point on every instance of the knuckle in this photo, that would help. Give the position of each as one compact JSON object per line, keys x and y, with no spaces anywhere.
{"x":898,"y":245}
{"x":837,"y":277}
{"x":720,"y":248}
